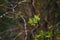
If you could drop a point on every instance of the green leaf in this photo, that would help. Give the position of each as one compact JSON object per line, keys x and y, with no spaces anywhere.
{"x":34,"y":20}
{"x":33,"y":24}
{"x":36,"y":17}
{"x":48,"y":34}
{"x":37,"y":36}
{"x":57,"y":32}
{"x":36,"y":39}
{"x":30,"y":21}
{"x":42,"y":33}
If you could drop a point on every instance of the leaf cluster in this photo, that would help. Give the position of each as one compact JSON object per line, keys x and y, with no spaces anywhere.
{"x":43,"y":34}
{"x":48,"y":34}
{"x":33,"y":21}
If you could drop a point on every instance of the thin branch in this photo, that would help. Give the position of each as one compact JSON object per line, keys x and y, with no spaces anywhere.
{"x":3,"y":15}
{"x":25,"y":31}
{"x":11,"y":8}
{"x":25,"y":27}
{"x":19,"y":3}
{"x":18,"y":35}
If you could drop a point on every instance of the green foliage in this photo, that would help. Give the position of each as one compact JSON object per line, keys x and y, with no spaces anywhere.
{"x":44,"y":34}
{"x":57,"y":32}
{"x":37,"y":37}
{"x":41,"y":35}
{"x":33,"y":21}
{"x":48,"y":35}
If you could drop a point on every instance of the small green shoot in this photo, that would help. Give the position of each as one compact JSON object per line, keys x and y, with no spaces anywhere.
{"x":33,"y":21}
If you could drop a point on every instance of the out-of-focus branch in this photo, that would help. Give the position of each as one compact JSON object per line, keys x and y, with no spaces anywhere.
{"x":18,"y":35}
{"x":25,"y":29}
{"x":19,"y":3}
{"x":13,"y":7}
{"x":3,"y":15}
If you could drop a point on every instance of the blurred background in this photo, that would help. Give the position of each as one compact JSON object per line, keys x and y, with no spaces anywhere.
{"x":15,"y":14}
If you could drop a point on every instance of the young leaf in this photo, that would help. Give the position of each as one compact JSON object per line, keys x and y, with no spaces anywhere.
{"x":48,"y":34}
{"x":42,"y":33}
{"x":36,"y":17}
{"x":30,"y":21}
{"x":34,"y":20}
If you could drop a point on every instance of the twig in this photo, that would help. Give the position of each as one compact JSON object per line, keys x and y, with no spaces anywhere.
{"x":25,"y":27}
{"x":19,"y":3}
{"x":3,"y":15}
{"x":25,"y":31}
{"x":13,"y":7}
{"x":18,"y":35}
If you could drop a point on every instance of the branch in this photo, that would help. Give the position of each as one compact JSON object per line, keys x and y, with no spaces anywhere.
{"x":18,"y":35}
{"x":19,"y":3}
{"x":3,"y":15}
{"x":12,"y":7}
{"x":25,"y":29}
